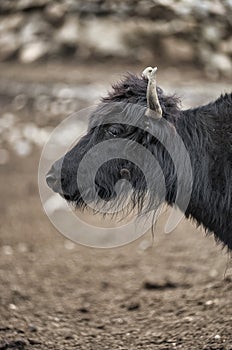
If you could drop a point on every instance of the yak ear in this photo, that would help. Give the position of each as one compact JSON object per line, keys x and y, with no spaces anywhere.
{"x":154,"y":109}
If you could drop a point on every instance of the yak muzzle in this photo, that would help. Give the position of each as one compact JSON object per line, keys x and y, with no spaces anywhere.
{"x":53,"y":177}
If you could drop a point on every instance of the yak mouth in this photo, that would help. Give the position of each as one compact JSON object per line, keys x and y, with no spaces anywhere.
{"x":101,"y":192}
{"x":58,"y":189}
{"x":55,"y":183}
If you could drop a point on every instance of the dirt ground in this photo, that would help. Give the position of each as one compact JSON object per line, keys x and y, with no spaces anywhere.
{"x":174,"y":293}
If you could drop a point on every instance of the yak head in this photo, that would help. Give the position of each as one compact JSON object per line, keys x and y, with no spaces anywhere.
{"x":122,"y":154}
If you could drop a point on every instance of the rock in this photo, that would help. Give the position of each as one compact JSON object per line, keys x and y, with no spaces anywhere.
{"x":182,"y":10}
{"x":180,"y":50}
{"x":69,"y":33}
{"x":28,"y":4}
{"x":34,"y":29}
{"x":7,"y":250}
{"x":215,"y":63}
{"x":33,"y":341}
{"x":212,"y":33}
{"x":18,"y":344}
{"x":83,"y":309}
{"x":55,"y":13}
{"x":226,"y":46}
{"x":156,"y":10}
{"x":217,"y":337}
{"x":32,"y":328}
{"x":6,"y":6}
{"x":33,"y":51}
{"x":11,"y":22}
{"x":9,"y":45}
{"x":105,"y":37}
{"x":69,"y":245}
{"x":222,"y":63}
{"x":134,"y":305}
{"x":211,"y":302}
{"x":204,"y":52}
{"x":217,"y":8}
{"x":149,"y":285}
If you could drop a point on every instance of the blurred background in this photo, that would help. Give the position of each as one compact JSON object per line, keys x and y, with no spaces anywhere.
{"x":57,"y":57}
{"x":172,"y":32}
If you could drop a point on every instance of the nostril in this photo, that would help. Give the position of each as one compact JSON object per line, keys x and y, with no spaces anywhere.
{"x":54,"y":183}
{"x":51,"y":179}
{"x":54,"y":179}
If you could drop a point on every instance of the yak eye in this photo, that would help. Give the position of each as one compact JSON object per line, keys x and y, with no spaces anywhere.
{"x":114,"y":131}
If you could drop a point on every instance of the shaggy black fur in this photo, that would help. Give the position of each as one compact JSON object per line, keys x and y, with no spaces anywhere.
{"x":207,"y":135}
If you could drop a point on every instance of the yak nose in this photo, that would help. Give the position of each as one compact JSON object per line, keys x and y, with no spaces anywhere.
{"x":53,"y":177}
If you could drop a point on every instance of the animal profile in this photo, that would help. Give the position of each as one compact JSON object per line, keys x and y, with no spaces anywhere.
{"x":137,"y":116}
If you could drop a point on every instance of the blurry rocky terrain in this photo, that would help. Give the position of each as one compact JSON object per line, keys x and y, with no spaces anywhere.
{"x":172,"y":31}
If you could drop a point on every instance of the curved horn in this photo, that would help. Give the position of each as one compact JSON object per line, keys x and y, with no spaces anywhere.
{"x":154,"y":109}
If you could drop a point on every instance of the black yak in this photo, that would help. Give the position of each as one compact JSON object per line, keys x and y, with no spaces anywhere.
{"x":139,"y":112}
